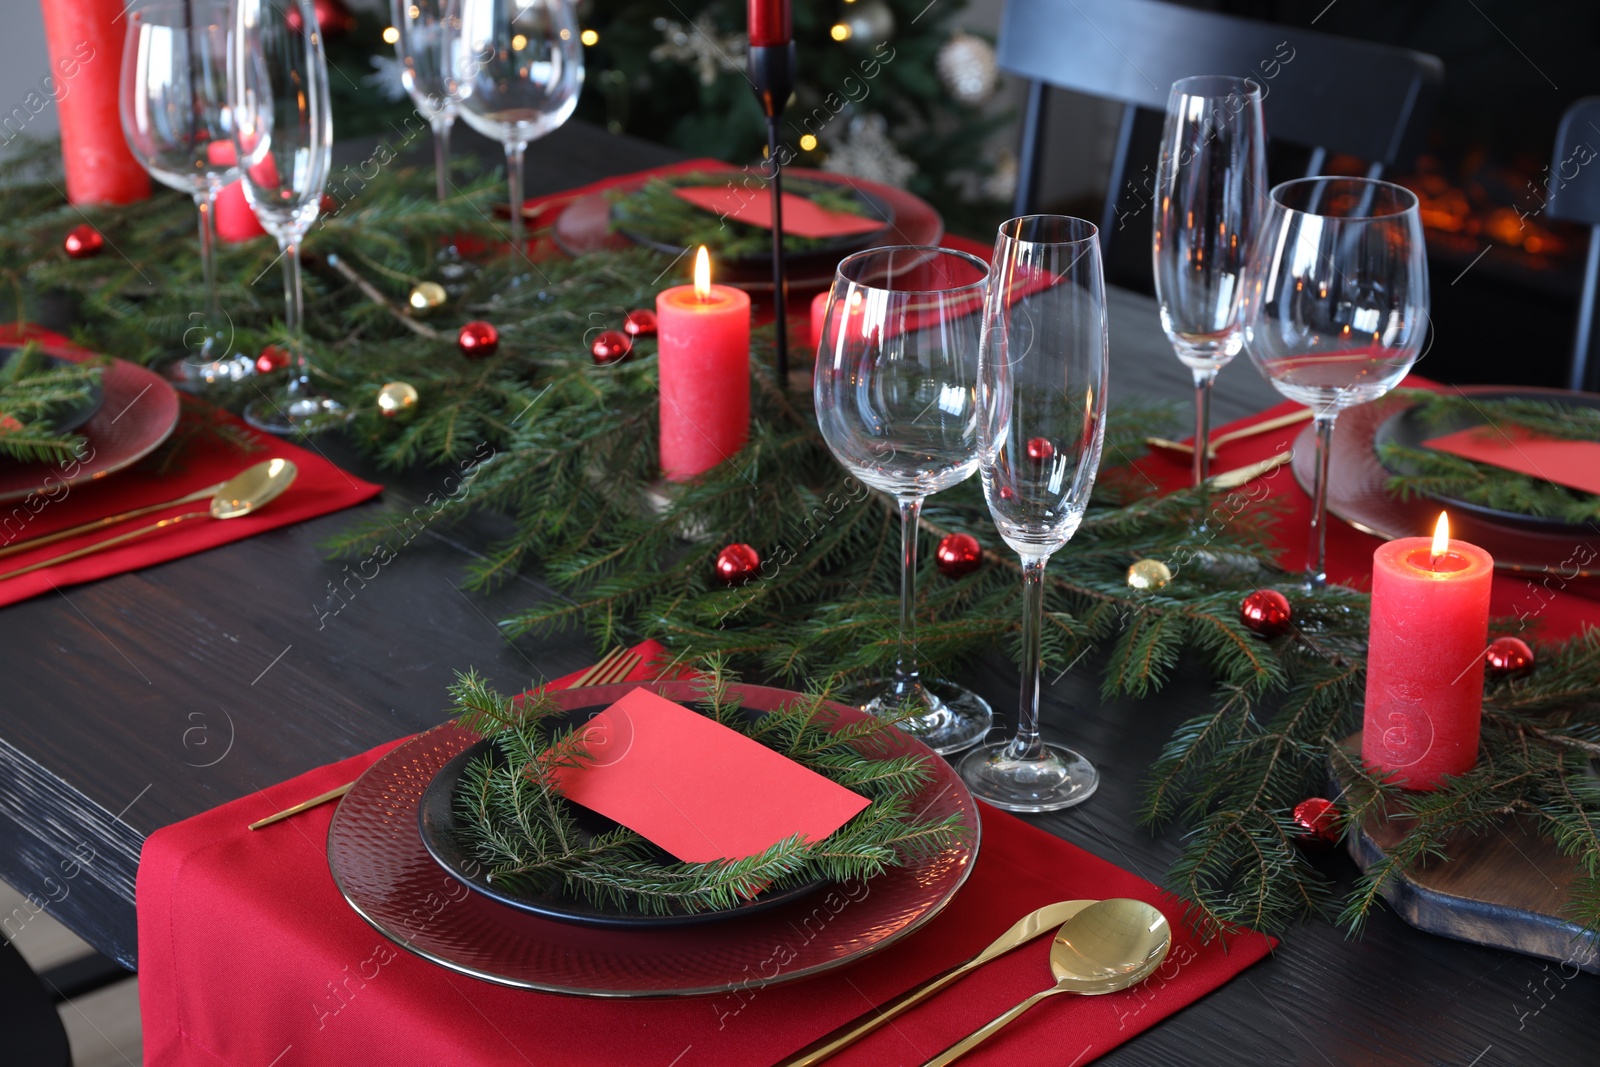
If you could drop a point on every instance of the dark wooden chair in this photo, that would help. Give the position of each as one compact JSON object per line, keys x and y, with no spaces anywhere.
{"x":1574,"y":195}
{"x":32,"y":1030}
{"x":1327,"y":94}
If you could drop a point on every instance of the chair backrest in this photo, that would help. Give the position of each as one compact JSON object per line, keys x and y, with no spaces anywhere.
{"x":1326,"y":93}
{"x":1572,"y":192}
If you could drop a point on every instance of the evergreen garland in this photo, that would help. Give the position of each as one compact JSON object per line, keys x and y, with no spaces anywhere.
{"x":33,"y":393}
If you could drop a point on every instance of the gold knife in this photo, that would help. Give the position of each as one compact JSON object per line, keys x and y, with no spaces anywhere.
{"x":1030,"y":926}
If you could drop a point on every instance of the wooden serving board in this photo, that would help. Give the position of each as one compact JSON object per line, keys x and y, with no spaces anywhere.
{"x":1507,"y":889}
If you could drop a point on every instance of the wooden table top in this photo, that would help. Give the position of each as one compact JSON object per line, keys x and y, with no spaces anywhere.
{"x":134,"y":702}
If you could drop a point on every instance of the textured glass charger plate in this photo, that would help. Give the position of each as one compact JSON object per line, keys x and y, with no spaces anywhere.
{"x":380,"y":864}
{"x":138,"y":411}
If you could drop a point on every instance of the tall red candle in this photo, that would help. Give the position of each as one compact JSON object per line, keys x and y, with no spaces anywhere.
{"x":85,"y":38}
{"x":771,"y":22}
{"x":703,"y":332}
{"x":1430,"y":624}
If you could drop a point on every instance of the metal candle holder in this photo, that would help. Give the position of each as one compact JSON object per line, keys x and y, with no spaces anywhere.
{"x":772,"y":69}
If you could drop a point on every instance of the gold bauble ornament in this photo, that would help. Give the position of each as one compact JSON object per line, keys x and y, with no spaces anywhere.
{"x":1149,"y":574}
{"x":425,"y":296}
{"x":397,"y":398}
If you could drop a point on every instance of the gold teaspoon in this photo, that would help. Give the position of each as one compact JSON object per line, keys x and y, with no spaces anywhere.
{"x":1105,"y":947}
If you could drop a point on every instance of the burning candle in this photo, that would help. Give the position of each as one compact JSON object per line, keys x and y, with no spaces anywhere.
{"x":703,"y":332}
{"x":771,"y":23}
{"x":85,"y":41}
{"x":1430,"y":623}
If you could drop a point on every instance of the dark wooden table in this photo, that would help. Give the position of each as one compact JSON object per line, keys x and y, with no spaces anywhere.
{"x":137,"y":701}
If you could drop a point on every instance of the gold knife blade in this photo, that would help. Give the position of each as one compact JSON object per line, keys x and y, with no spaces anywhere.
{"x":1043,"y":921}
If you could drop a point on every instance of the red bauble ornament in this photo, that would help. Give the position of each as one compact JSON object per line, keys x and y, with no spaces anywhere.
{"x":271,"y":358}
{"x":1265,"y":612}
{"x":611,"y":346}
{"x":1040,"y":449}
{"x":83,"y":242}
{"x":958,"y":555}
{"x":1508,"y":657}
{"x":328,"y":205}
{"x":737,"y":564}
{"x":1006,"y":492}
{"x":478,"y":339}
{"x":641,"y":322}
{"x":333,"y":18}
{"x":1318,"y":821}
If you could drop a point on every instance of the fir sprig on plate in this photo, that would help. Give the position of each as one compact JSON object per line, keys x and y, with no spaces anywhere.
{"x":34,"y":391}
{"x":657,"y":214}
{"x":516,"y":822}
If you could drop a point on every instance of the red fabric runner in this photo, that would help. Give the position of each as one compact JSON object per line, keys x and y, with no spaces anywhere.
{"x":319,"y":489}
{"x":248,"y":956}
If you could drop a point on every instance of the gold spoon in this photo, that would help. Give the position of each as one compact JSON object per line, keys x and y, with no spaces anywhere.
{"x":1234,"y":435}
{"x":1107,"y":946}
{"x":239,"y":495}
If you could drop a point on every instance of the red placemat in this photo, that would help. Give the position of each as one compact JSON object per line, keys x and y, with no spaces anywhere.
{"x":248,"y":956}
{"x":319,"y":489}
{"x":1562,"y":608}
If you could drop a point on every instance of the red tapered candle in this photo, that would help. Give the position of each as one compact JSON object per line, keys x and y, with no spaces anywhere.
{"x":771,"y":22}
{"x":1430,"y":624}
{"x":85,"y":39}
{"x":703,"y":332}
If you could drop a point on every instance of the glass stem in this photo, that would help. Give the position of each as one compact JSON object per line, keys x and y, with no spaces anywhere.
{"x":294,"y":312}
{"x":442,"y":121}
{"x":1026,"y":745}
{"x":1316,"y":554}
{"x":514,"y":152}
{"x":1203,"y":380}
{"x":906,"y":676}
{"x":206,"y":204}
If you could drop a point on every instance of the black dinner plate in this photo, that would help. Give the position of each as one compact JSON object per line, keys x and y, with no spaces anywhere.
{"x":69,"y":420}
{"x":437,"y":820}
{"x":1407,"y":428}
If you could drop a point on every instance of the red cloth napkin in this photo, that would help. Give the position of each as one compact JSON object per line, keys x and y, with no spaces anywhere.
{"x":1561,"y":611}
{"x":319,"y":489}
{"x":754,"y":207}
{"x":249,"y":956}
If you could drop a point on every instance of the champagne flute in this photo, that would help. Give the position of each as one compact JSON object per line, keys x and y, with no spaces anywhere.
{"x":1041,"y":423}
{"x":895,"y":389}
{"x":284,"y":133}
{"x":1336,"y":306}
{"x":519,"y":67}
{"x":174,"y":107}
{"x":426,"y":74}
{"x":1210,"y":183}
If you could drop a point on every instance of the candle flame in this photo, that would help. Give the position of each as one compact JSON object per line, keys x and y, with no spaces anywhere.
{"x":702,"y":275}
{"x":1441,"y":535}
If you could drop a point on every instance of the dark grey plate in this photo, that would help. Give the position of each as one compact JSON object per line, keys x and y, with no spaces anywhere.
{"x":67,"y":421}
{"x":1407,"y":428}
{"x":437,"y":820}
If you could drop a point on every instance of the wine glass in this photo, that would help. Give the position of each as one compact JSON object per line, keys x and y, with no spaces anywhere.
{"x":895,"y":386}
{"x":426,"y":74}
{"x":284,"y":134}
{"x":1041,"y":422}
{"x":1210,"y":183}
{"x":518,"y":65}
{"x":1336,"y":306}
{"x":174,"y":106}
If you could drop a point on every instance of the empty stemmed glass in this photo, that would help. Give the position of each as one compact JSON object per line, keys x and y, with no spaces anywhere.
{"x":1211,"y":183}
{"x":173,"y":101}
{"x":1336,"y":306}
{"x":895,"y":386}
{"x":1041,"y":410}
{"x":284,"y":134}
{"x":518,"y":65}
{"x":426,"y":74}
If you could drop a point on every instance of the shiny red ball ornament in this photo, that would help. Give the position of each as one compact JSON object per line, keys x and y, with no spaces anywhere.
{"x":611,"y":346}
{"x":1265,"y":612}
{"x":1006,"y":492}
{"x":83,"y":242}
{"x":1508,"y":657}
{"x":333,"y":18}
{"x":328,"y":205}
{"x":1040,"y":449}
{"x":641,"y":322}
{"x":1318,"y":821}
{"x":737,"y":564}
{"x":272,"y":358}
{"x":478,"y":340}
{"x":958,"y":555}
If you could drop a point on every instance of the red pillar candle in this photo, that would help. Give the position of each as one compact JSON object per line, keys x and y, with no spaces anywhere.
{"x":236,"y":220}
{"x":703,"y":333}
{"x":1430,"y":623}
{"x":771,"y":22}
{"x":85,"y":41}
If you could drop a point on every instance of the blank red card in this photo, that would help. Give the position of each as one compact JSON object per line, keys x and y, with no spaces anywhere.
{"x":754,"y":206}
{"x":698,"y":789}
{"x":1574,"y":464}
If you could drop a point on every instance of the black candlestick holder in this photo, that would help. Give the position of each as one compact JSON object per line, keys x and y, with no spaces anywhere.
{"x":772,"y":69}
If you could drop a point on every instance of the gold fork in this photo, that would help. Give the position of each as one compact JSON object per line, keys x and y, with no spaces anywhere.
{"x":614,"y":666}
